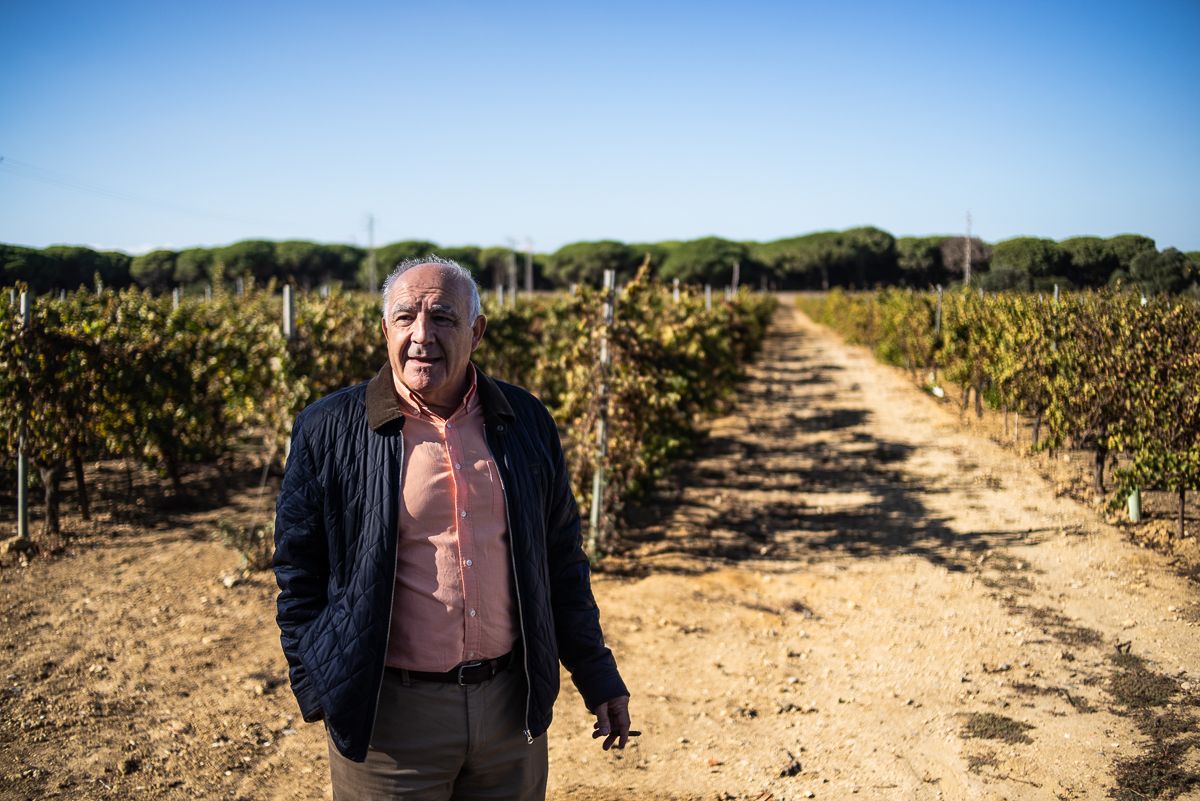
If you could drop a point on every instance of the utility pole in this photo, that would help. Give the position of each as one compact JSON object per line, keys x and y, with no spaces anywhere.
{"x":372,"y":278}
{"x":512,"y":271}
{"x":967,"y":254}
{"x":528,"y":266}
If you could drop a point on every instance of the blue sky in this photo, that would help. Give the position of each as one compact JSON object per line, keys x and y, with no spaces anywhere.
{"x":135,"y":125}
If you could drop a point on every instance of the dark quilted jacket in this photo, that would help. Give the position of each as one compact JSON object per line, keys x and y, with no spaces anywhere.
{"x":335,"y":555}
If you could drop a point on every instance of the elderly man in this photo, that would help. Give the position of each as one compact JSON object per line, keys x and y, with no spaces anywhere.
{"x":431,"y":576}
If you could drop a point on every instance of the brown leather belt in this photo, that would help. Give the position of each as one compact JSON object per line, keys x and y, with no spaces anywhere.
{"x":467,"y":673}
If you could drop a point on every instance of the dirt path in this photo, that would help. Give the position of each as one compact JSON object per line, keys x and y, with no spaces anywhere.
{"x":849,"y":597}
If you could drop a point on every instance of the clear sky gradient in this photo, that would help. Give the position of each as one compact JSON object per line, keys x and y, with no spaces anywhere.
{"x":138,"y":125}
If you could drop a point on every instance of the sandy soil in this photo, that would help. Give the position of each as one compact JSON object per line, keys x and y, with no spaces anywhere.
{"x":847,"y":594}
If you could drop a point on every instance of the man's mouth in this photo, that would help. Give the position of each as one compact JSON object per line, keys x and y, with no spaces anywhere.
{"x":424,"y":359}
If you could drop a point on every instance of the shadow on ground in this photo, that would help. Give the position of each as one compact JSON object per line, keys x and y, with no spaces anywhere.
{"x":759,"y":491}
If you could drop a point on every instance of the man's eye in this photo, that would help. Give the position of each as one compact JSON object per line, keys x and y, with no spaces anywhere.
{"x":403,"y":319}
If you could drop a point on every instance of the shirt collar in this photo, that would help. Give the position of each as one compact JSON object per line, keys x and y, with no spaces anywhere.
{"x":412,"y":404}
{"x":383,"y":403}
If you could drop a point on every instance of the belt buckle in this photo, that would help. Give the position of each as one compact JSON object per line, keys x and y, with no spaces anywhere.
{"x":464,"y":666}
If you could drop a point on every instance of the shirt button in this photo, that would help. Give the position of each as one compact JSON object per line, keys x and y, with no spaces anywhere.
{"x":472,"y":613}
{"x":462,"y":514}
{"x":457,"y":466}
{"x":449,"y":425}
{"x":469,"y":563}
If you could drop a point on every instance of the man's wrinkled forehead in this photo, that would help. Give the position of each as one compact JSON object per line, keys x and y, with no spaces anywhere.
{"x":430,"y":288}
{"x":415,"y":304}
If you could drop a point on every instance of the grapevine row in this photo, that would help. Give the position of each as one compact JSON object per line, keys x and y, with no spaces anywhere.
{"x":169,"y":384}
{"x":1108,"y":372}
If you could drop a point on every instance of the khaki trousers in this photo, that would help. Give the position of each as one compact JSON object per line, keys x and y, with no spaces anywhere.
{"x":442,"y":742}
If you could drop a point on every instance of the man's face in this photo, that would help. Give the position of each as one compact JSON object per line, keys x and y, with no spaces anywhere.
{"x":430,"y":336}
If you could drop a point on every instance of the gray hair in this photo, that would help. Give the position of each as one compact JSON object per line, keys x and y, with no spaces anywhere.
{"x":462,"y":272}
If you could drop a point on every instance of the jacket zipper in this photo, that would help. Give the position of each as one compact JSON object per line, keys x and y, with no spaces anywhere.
{"x":391,"y":606}
{"x":512,"y":552}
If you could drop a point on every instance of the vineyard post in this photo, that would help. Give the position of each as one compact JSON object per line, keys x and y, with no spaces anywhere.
{"x":675,"y":291}
{"x":1054,"y":342}
{"x":937,"y":331}
{"x":708,"y":297}
{"x":289,"y":313}
{"x":596,"y":518}
{"x":208,"y":293}
{"x":22,"y":459}
{"x":1135,"y":506}
{"x":500,"y":296}
{"x":240,"y":283}
{"x":175,"y":295}
{"x":737,"y":271}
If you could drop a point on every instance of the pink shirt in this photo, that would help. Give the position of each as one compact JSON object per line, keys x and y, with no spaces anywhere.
{"x":454,"y":595}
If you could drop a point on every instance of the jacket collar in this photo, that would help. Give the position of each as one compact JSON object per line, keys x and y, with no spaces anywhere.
{"x":383,"y":406}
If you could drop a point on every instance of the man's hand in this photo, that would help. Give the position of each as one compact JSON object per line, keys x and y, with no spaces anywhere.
{"x":612,"y":722}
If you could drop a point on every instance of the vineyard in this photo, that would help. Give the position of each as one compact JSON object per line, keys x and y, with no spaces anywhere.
{"x":837,"y":559}
{"x":1113,"y":374}
{"x":170,"y":383}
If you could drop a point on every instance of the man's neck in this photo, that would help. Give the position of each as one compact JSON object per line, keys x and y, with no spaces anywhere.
{"x":441,"y":408}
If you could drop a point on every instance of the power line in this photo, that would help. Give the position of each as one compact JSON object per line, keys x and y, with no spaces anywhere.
{"x":32,"y":172}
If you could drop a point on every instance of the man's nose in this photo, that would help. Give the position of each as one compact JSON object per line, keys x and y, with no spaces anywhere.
{"x":420,"y":328}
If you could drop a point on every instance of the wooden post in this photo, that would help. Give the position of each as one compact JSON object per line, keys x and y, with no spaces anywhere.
{"x":708,"y":297}
{"x":937,"y":331}
{"x":240,"y":283}
{"x":596,"y":517}
{"x":937,"y":319}
{"x":737,"y":271}
{"x":22,"y":459}
{"x":289,"y":313}
{"x":675,"y":291}
{"x":176,"y":296}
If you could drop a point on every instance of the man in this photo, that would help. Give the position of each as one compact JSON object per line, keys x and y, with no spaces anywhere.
{"x":431,"y":576}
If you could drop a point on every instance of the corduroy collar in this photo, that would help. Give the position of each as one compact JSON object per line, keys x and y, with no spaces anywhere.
{"x":383,"y":406}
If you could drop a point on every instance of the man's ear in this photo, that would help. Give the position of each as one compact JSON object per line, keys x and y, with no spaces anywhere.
{"x":477,"y":329}
{"x":383,"y":327}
